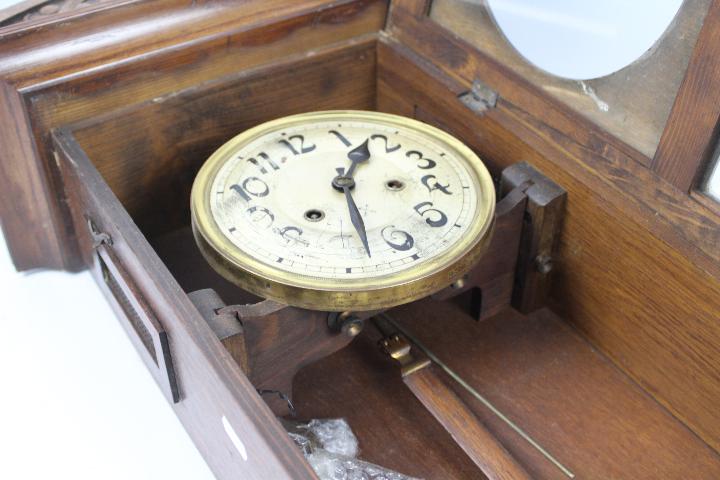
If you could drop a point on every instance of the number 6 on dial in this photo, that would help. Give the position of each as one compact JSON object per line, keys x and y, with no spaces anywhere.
{"x":336,"y":210}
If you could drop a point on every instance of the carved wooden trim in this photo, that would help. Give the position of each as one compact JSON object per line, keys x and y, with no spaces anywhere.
{"x":29,"y":10}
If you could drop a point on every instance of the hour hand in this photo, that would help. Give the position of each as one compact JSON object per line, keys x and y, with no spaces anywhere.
{"x":359,"y":154}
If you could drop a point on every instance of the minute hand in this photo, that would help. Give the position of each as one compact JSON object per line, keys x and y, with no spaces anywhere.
{"x":356,"y":219}
{"x":344,"y":182}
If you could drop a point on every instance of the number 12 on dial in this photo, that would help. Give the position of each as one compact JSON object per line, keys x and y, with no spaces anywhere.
{"x":343,"y":210}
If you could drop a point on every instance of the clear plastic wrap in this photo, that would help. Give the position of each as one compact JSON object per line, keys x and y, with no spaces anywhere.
{"x":331,"y":448}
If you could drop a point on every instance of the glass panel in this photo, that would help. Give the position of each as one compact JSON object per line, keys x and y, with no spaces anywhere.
{"x":579,"y":39}
{"x":583,"y":39}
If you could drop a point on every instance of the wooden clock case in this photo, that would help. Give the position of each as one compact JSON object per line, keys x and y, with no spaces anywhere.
{"x":108,"y":110}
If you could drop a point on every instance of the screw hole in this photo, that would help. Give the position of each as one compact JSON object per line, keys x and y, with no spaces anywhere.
{"x":314,"y":215}
{"x":394,"y":185}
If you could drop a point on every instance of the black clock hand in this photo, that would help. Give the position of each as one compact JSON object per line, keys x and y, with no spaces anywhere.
{"x":359,"y":154}
{"x":344,"y":182}
{"x":356,"y":219}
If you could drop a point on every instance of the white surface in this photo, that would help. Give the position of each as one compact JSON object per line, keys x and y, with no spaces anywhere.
{"x":76,"y":401}
{"x":713,"y":182}
{"x":583,"y":39}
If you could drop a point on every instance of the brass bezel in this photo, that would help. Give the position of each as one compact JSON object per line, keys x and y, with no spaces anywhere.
{"x":340,"y":294}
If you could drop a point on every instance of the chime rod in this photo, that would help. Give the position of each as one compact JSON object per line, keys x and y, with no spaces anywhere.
{"x":478,"y":396}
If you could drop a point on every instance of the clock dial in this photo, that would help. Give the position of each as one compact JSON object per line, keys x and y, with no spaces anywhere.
{"x":342,"y":202}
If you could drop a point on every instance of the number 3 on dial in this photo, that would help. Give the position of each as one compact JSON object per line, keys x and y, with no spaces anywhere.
{"x":337,"y":210}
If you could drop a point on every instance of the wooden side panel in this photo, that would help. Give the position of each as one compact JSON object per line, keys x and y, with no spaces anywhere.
{"x":30,"y":237}
{"x":677,"y":219}
{"x":89,"y":64}
{"x":640,"y":299}
{"x":230,"y":424}
{"x":149,"y":153}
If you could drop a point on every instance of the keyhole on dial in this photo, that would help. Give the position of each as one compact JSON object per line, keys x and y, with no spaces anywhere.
{"x":314,"y":215}
{"x":394,"y":185}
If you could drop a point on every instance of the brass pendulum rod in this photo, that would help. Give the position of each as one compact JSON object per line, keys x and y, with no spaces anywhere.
{"x":477,"y":442}
{"x":452,"y":413}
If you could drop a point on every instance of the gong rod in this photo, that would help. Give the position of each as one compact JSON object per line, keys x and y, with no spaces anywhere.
{"x":478,"y":396}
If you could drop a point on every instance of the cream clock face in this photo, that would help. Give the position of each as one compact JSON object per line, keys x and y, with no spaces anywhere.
{"x":340,"y":201}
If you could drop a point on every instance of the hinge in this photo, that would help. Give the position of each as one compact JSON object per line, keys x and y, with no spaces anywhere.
{"x":479,"y":98}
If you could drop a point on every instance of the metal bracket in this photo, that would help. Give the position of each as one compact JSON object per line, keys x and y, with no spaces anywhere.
{"x":98,"y":237}
{"x":479,"y":98}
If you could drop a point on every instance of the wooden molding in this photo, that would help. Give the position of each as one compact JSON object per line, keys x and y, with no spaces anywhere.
{"x":690,"y":133}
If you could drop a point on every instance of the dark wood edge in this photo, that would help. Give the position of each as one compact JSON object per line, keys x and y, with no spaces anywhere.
{"x":626,"y":182}
{"x":37,"y":243}
{"x":691,"y":131}
{"x":706,"y":201}
{"x":227,"y":392}
{"x":540,"y":234}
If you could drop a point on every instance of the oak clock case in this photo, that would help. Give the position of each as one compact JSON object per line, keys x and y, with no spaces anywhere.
{"x":343,"y":210}
{"x":616,"y":378}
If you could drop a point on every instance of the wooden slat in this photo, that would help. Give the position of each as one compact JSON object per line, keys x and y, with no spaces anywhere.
{"x":465,"y":428}
{"x":690,"y":135}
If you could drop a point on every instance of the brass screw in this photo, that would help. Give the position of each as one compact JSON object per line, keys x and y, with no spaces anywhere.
{"x":352,"y":327}
{"x":346,"y":322}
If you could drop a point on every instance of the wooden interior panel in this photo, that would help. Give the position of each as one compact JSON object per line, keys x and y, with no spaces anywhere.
{"x":85,"y":65}
{"x":534,"y":368}
{"x":149,"y":153}
{"x":677,"y":219}
{"x":637,"y":98}
{"x":649,"y":307}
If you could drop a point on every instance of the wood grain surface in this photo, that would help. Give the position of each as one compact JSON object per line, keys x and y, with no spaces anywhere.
{"x":150,"y":152}
{"x":464,"y":427}
{"x":691,"y":133}
{"x":536,"y":369}
{"x":649,"y":303}
{"x":58,"y":71}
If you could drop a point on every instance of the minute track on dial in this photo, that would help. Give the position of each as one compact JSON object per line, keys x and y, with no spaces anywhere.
{"x":291,"y":240}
